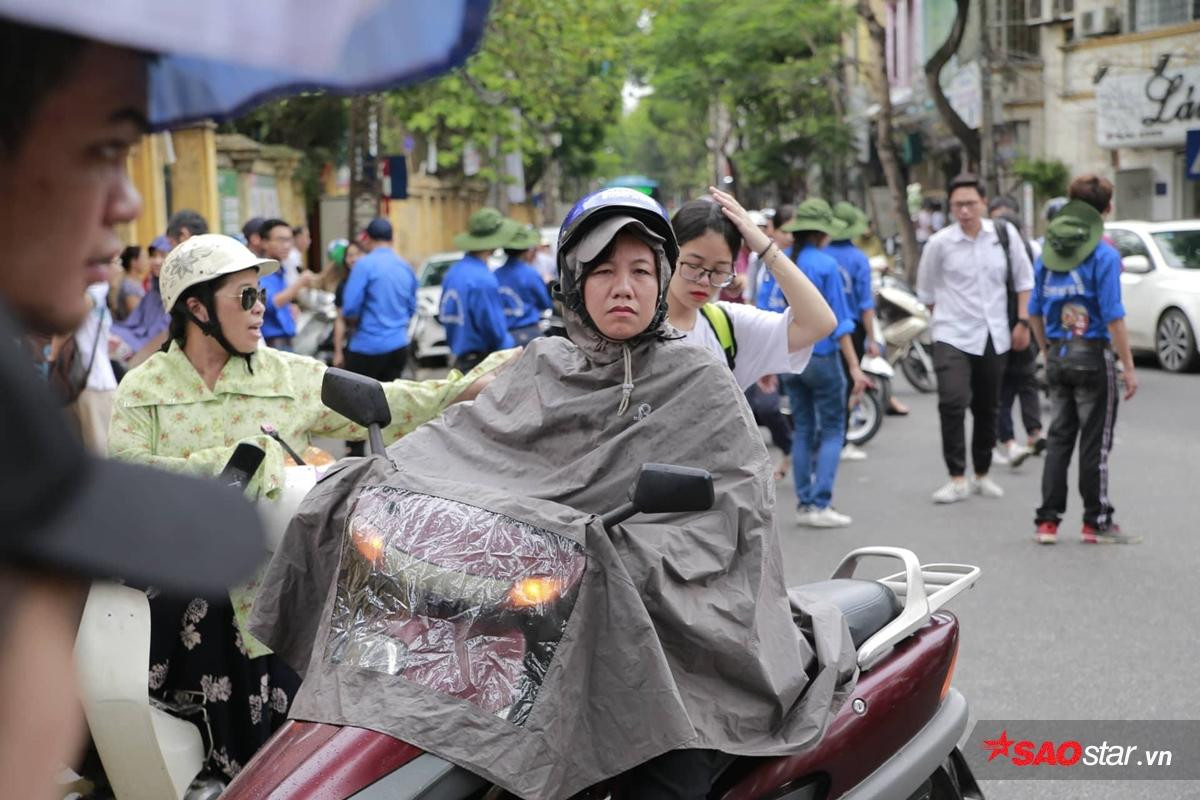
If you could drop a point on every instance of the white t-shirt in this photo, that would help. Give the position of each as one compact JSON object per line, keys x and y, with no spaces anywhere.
{"x":101,"y":378}
{"x":762,"y":342}
{"x":965,"y":280}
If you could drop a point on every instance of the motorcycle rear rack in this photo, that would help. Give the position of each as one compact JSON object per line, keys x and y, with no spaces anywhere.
{"x":911,"y":587}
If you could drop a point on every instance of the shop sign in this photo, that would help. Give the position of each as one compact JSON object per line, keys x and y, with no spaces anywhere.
{"x":1155,"y":109}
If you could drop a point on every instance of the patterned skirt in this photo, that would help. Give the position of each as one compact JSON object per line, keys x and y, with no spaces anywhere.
{"x":198,"y":662}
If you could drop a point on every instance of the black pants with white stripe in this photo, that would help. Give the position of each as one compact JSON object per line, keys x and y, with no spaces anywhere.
{"x":1083,"y":393}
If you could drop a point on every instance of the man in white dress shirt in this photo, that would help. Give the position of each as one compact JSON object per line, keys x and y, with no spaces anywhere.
{"x":964,"y":277}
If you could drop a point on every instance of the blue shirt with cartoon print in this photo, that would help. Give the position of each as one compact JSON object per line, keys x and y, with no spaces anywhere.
{"x":1080,"y":303}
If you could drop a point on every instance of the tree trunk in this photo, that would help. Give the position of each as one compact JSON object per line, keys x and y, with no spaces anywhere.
{"x":933,"y":77}
{"x":884,"y":142}
{"x":987,"y":136}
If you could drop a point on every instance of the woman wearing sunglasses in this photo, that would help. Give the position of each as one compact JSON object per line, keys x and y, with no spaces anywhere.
{"x":185,"y":409}
{"x":710,"y":233}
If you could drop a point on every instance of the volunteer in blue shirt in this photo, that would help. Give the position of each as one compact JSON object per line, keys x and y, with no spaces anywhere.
{"x":860,"y":299}
{"x":279,"y":326}
{"x":379,"y":299}
{"x":818,"y":395}
{"x":1076,"y":314}
{"x":471,"y":310}
{"x":522,"y":289}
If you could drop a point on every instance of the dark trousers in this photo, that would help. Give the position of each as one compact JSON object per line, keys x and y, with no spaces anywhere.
{"x":382,"y":367}
{"x":677,"y":775}
{"x":1020,"y":382}
{"x":765,"y":406}
{"x":1083,"y":394}
{"x":858,"y":338}
{"x":469,"y":361}
{"x":967,"y":381}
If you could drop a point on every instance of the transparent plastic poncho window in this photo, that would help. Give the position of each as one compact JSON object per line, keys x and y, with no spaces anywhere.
{"x":458,"y":599}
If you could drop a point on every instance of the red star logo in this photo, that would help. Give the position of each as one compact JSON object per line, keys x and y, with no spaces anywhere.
{"x":999,"y":747}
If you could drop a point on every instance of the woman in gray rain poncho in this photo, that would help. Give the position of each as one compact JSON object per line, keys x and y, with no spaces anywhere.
{"x":676,"y":633}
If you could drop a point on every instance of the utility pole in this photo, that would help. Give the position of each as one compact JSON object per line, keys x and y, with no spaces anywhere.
{"x":877,"y":76}
{"x":987,"y":137}
{"x":365,"y":184}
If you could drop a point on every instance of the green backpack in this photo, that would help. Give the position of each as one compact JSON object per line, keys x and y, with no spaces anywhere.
{"x":722,"y":325}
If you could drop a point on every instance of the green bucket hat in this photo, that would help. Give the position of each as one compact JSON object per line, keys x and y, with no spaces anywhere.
{"x":523,"y":238}
{"x":815,"y":214}
{"x":854,"y":219}
{"x":487,"y":229}
{"x":1072,"y":236}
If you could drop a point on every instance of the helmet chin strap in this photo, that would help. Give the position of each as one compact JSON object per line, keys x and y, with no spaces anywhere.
{"x":212,"y":328}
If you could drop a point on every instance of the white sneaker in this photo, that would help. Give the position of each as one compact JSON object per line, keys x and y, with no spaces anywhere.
{"x":1018,"y":454}
{"x":852,"y":452}
{"x":1000,"y":455}
{"x":953,"y":491}
{"x":827,"y":518}
{"x":986,"y":487}
{"x":803,"y":514}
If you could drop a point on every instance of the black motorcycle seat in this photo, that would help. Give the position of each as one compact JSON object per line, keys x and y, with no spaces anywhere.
{"x":866,"y":605}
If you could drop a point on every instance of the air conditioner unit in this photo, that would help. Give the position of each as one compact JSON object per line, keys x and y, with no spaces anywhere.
{"x":1040,"y":12}
{"x":1100,"y":21}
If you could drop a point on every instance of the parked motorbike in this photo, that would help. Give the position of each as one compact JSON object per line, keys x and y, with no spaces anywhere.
{"x":150,"y":750}
{"x":866,"y":415}
{"x":314,"y":326}
{"x":896,"y":737}
{"x":905,"y":322}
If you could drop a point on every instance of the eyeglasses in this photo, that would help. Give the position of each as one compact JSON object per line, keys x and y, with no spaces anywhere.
{"x":249,"y":296}
{"x":718,"y":278}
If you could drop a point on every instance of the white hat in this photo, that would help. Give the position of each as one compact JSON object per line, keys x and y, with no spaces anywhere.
{"x":758,"y":218}
{"x":202,"y":258}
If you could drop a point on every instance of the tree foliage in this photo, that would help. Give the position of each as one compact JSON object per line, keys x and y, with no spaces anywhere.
{"x":314,"y":124}
{"x":546,"y":81}
{"x":1049,"y":177}
{"x":753,"y":81}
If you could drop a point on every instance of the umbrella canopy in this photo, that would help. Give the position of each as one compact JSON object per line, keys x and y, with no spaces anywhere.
{"x":221,"y":57}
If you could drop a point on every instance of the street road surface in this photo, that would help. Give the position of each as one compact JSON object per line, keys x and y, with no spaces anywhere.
{"x":1049,"y":633}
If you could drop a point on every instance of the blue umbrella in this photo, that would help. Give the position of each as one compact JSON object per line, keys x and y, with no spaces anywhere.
{"x":218,"y":58}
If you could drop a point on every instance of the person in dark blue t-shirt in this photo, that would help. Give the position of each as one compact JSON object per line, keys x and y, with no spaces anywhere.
{"x":279,"y":326}
{"x":1076,"y":314}
{"x":380,"y":297}
{"x":471,"y":309}
{"x":522,"y":290}
{"x":817,"y":395}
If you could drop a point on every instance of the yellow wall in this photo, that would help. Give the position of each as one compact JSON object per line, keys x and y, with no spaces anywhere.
{"x":434,"y":212}
{"x":145,"y":167}
{"x":194,"y":173}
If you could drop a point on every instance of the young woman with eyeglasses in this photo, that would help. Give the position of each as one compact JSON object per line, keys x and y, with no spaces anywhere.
{"x":710,"y":232}
{"x":213,"y":386}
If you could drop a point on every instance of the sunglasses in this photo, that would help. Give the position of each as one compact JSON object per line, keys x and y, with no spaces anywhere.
{"x":250,"y":296}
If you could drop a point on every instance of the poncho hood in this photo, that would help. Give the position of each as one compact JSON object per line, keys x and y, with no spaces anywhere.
{"x":390,"y":590}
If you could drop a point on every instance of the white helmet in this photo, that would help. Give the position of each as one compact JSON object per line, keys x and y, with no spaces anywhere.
{"x":202,"y":258}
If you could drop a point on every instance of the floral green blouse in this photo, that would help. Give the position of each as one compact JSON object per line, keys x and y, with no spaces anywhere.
{"x":166,"y":416}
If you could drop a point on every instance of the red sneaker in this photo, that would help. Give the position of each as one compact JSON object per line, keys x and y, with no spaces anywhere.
{"x":1047,"y":532}
{"x":1108,"y":535}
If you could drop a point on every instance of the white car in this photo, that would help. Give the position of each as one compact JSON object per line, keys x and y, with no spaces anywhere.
{"x":1160,"y":288}
{"x":426,"y":336}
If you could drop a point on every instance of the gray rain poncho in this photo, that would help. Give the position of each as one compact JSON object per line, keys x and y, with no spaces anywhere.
{"x":462,"y":595}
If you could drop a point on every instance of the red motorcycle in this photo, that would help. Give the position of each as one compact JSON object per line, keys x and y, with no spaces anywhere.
{"x":896,"y":736}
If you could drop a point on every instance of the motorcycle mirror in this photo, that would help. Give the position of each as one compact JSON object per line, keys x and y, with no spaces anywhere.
{"x":665,"y":489}
{"x":242,"y":465}
{"x":359,"y":399}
